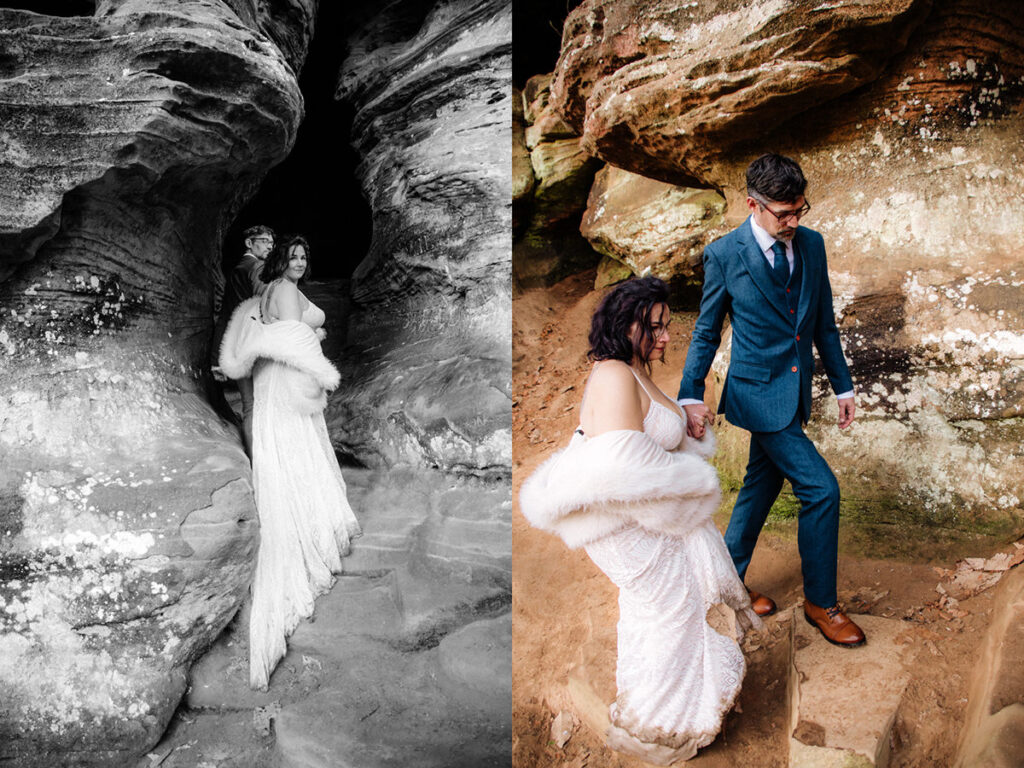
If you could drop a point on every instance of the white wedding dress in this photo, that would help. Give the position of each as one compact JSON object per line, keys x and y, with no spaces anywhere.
{"x":677,"y":677}
{"x":305,"y":518}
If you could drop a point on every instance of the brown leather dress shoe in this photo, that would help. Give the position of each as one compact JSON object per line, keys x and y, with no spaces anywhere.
{"x":834,"y":625}
{"x":762,"y":604}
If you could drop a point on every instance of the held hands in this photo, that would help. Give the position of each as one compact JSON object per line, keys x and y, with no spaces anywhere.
{"x":846,"y":412}
{"x":321,"y":334}
{"x":697,"y":418}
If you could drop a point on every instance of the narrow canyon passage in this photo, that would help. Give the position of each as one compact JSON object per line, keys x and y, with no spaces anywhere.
{"x":140,"y":140}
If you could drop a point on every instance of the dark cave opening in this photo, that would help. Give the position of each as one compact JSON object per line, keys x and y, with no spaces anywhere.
{"x":537,"y":32}
{"x":337,"y":223}
{"x":54,"y":7}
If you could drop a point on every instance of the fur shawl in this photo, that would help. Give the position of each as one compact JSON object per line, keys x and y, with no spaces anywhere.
{"x":291,"y":342}
{"x":596,"y":486}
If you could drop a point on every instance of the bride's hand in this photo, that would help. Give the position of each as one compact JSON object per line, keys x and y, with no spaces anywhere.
{"x":697,"y":418}
{"x":321,"y":334}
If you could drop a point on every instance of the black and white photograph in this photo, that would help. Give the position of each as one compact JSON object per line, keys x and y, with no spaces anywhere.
{"x":255,"y":405}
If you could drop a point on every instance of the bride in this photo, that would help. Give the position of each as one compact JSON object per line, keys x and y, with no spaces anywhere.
{"x":305,"y":518}
{"x":638,"y":494}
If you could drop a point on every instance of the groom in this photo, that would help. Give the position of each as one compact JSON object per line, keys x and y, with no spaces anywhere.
{"x":243,"y":282}
{"x":770,"y":277}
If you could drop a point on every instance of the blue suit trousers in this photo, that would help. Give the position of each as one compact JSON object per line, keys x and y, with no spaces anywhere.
{"x":789,"y":454}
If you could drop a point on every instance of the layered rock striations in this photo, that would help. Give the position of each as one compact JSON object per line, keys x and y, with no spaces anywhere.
{"x":547,"y":244}
{"x":907,"y":119}
{"x":647,"y":227}
{"x":129,"y":139}
{"x":427,"y":381}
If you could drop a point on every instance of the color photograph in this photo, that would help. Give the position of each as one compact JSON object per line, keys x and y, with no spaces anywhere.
{"x":767,"y":354}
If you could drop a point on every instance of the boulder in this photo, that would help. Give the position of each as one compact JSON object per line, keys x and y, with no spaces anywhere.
{"x":653,"y":228}
{"x":130,"y":138}
{"x":663,"y":89}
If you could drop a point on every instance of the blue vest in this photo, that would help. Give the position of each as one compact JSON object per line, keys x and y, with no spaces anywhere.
{"x":789,"y":294}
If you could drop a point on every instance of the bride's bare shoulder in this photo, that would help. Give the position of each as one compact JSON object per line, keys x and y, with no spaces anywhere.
{"x":611,"y":376}
{"x":612,"y":400}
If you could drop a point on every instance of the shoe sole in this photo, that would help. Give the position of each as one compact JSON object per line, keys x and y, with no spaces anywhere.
{"x":814,"y":624}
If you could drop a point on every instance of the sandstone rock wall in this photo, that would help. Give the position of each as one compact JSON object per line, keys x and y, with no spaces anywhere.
{"x":547,"y":244}
{"x":427,"y":381}
{"x":907,"y":119}
{"x":129,"y":140}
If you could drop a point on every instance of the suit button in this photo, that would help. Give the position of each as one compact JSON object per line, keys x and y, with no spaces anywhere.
{"x":798,"y":337}
{"x":793,"y":369}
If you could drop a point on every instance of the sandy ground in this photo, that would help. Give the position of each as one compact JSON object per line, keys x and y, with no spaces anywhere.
{"x":561,"y":600}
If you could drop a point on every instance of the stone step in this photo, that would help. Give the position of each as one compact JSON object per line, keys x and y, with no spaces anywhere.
{"x":448,"y":706}
{"x":843,"y":701}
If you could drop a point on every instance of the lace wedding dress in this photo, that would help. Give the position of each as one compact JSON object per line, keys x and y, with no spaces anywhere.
{"x":305,"y":518}
{"x":677,"y":677}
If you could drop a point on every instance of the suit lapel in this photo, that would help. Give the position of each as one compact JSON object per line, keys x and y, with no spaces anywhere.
{"x":755,"y":264}
{"x":809,"y":265}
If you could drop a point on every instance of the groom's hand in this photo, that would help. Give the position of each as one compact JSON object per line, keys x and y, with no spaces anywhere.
{"x":846,"y":412}
{"x":697,"y":418}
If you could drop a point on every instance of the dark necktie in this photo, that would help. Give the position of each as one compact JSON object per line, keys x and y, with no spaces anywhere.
{"x":781,"y":265}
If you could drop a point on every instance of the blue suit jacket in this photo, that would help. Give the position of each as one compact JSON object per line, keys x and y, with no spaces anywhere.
{"x":771,"y":363}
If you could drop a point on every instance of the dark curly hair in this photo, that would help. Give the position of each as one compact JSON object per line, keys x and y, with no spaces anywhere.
{"x":610,"y":328}
{"x":775,"y":178}
{"x":276,"y":263}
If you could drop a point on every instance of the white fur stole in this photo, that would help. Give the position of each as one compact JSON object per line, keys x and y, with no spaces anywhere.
{"x":596,"y":486}
{"x":291,"y":342}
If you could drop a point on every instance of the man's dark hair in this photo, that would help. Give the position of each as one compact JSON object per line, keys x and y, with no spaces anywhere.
{"x":775,"y":178}
{"x":629,"y":302}
{"x":259,"y":229}
{"x":277,"y":262}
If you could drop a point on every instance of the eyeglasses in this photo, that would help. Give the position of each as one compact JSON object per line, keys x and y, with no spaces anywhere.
{"x":263,"y":239}
{"x":799,"y":213}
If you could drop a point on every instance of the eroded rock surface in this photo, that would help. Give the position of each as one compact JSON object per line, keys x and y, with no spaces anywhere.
{"x":661,"y":88}
{"x":906,"y":118}
{"x":430,"y":379}
{"x":548,"y":245}
{"x":128,"y":534}
{"x":408,"y":656}
{"x":994,"y":727}
{"x":653,"y":228}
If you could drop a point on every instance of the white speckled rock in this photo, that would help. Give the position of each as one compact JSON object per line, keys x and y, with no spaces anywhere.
{"x":127,"y":526}
{"x":908,"y":126}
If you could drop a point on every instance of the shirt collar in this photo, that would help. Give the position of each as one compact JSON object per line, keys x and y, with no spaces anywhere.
{"x":764,"y":240}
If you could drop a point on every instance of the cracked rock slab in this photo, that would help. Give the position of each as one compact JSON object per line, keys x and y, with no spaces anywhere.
{"x":844,"y":701}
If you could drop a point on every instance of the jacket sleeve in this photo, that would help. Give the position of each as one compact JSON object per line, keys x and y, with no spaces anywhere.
{"x":826,"y":337}
{"x":707,"y":333}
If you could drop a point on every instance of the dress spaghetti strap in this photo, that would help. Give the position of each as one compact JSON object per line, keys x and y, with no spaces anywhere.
{"x":265,"y":302}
